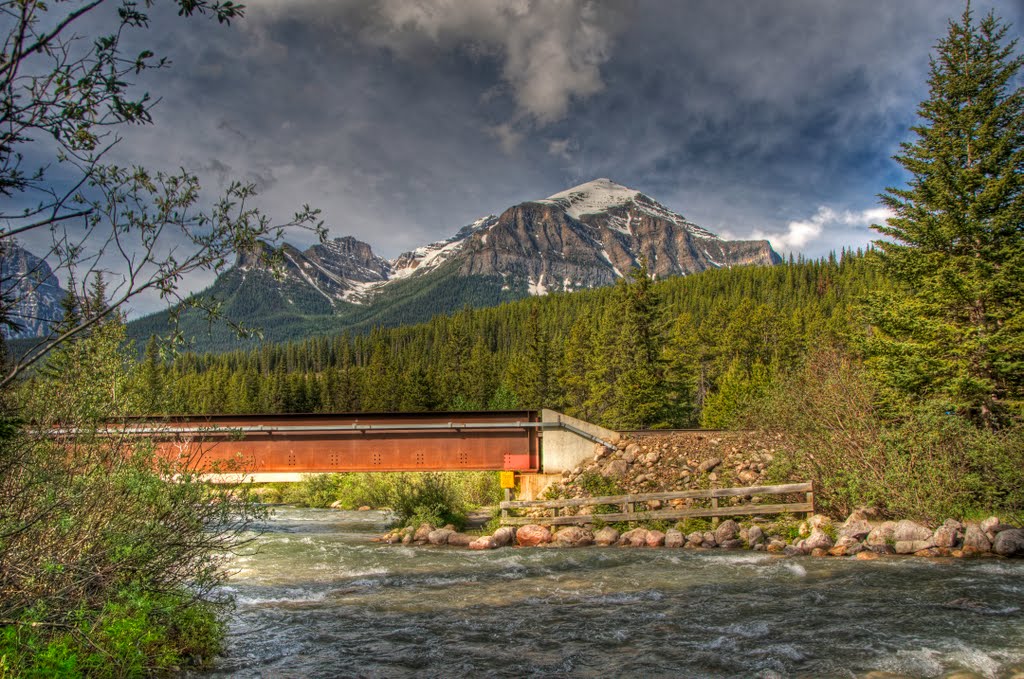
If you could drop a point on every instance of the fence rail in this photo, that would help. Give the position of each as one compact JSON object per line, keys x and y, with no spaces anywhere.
{"x":628,"y":503}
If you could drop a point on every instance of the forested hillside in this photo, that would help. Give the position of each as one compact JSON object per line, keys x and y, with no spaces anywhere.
{"x":679,"y":352}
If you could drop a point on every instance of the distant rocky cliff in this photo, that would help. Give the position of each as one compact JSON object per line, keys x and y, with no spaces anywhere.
{"x":29,"y":286}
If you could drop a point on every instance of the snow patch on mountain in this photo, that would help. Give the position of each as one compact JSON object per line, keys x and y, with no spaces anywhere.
{"x":537,"y":288}
{"x":429,"y":257}
{"x":593,"y":197}
{"x":603,"y":195}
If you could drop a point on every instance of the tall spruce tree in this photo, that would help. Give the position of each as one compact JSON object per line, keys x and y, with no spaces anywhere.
{"x":638,"y":385}
{"x":956,"y":240}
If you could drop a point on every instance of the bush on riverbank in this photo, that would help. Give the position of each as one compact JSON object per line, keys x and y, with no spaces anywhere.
{"x":919,"y":461}
{"x":431,"y":496}
{"x":109,"y":562}
{"x":135,"y":633}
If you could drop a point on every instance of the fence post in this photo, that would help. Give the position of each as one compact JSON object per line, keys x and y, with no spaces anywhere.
{"x":714,"y":519}
{"x":810,"y":500}
{"x":508,"y":498}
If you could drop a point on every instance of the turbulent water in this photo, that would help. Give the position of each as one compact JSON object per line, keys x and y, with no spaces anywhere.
{"x":319,"y":599}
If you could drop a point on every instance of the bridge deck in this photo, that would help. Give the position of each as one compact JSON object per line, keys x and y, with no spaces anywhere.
{"x":504,"y":440}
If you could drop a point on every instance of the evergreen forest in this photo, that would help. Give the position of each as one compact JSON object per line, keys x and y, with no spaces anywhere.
{"x":682,"y":352}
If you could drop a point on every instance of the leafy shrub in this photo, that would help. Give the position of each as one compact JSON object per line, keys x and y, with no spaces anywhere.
{"x":135,"y":633}
{"x":412,"y":496}
{"x":379,"y":489}
{"x":596,"y":485}
{"x":919,"y":461}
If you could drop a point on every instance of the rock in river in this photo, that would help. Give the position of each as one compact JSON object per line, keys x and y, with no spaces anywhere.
{"x":505,"y":535}
{"x":1009,"y":542}
{"x":532,"y":535}
{"x":574,"y":536}
{"x":606,"y":536}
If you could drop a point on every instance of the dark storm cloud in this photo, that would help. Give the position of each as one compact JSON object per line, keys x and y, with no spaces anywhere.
{"x":404,"y":120}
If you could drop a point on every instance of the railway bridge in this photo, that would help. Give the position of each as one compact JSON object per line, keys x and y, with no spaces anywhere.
{"x":283,"y":447}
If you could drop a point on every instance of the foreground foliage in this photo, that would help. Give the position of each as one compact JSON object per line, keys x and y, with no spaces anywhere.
{"x":109,"y":562}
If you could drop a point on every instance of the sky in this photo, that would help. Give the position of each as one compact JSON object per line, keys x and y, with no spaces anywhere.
{"x":404,"y":120}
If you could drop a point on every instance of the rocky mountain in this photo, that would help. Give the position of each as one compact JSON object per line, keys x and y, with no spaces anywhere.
{"x":594,"y":233}
{"x":31,"y":289}
{"x":584,"y":237}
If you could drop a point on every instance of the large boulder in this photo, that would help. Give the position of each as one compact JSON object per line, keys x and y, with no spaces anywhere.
{"x":727,"y":530}
{"x":988,"y":526}
{"x":881,"y":534}
{"x":819,"y":521}
{"x":674,"y":538}
{"x":574,"y":536}
{"x":422,"y":532}
{"x":606,"y":536}
{"x":949,"y":534}
{"x":655,"y":538}
{"x":856,"y":526}
{"x":504,"y":536}
{"x":909,"y":531}
{"x":439,"y":536}
{"x":913,"y":546}
{"x":484,"y":542}
{"x":709,"y":539}
{"x":634,"y":538}
{"x":975,"y":540}
{"x":1009,"y":542}
{"x":532,"y":535}
{"x":818,"y":539}
{"x":993,"y":527}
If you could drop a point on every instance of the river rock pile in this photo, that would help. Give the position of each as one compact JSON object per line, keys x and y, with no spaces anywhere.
{"x":675,"y":461}
{"x":858,"y":537}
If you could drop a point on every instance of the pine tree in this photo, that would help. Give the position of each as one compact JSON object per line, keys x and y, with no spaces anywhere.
{"x":152,"y":377}
{"x":956,"y":240}
{"x":531,"y":372}
{"x":572,"y":374}
{"x":638,"y":385}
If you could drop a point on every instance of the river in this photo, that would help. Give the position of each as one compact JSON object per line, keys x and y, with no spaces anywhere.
{"x":318,"y":599}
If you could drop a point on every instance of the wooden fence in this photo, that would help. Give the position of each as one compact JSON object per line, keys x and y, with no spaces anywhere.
{"x":627,"y":504}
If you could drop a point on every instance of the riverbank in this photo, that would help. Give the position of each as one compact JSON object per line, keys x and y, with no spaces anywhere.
{"x":858,"y":537}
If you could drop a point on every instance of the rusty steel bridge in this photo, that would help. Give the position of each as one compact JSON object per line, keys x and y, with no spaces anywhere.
{"x":525,"y":441}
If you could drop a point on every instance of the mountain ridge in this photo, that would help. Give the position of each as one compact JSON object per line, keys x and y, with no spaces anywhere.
{"x":584,"y":237}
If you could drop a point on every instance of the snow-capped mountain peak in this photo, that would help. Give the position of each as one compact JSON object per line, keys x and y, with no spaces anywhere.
{"x":593,"y":197}
{"x":601,"y":196}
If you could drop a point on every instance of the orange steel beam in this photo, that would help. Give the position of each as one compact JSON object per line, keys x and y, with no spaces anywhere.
{"x":505,"y":440}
